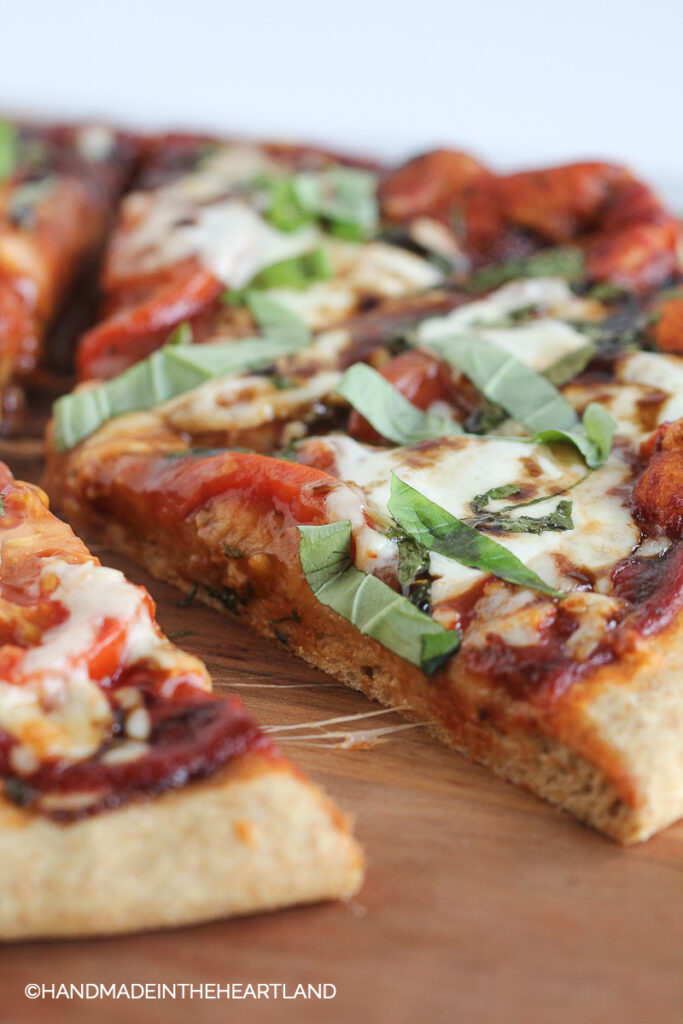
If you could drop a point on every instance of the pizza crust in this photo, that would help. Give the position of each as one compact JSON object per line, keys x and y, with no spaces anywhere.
{"x":609,"y":751}
{"x":256,"y":836}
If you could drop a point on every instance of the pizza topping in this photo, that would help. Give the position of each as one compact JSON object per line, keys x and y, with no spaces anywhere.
{"x":384,"y":407}
{"x":96,"y":705}
{"x":188,"y":736}
{"x":451,"y":472}
{"x":8,"y":149}
{"x":370,"y":605}
{"x":168,"y":372}
{"x":529,"y":397}
{"x":342,"y":198}
{"x":567,"y":263}
{"x":436,"y":529}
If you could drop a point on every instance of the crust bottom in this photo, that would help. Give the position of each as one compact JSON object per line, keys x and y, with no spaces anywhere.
{"x":258,"y":836}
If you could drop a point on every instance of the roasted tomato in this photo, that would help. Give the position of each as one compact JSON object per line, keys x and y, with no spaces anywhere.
{"x":144,"y":317}
{"x":658,"y":495}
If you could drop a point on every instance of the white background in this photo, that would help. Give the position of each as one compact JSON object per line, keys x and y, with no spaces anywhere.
{"x":517,"y":83}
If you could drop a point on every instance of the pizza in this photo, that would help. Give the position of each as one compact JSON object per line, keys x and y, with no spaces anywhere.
{"x":421,"y":425}
{"x":58,"y":189}
{"x":132,"y":795}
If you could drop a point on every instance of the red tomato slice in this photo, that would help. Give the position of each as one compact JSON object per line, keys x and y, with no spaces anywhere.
{"x":135,"y":331}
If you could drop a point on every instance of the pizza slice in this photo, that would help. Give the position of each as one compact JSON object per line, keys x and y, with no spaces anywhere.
{"x":211,"y":228}
{"x":211,"y":223}
{"x":58,"y":187}
{"x":132,"y":796}
{"x":482,"y":530}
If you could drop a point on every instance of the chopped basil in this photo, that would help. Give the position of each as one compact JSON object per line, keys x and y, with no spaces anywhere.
{"x":230,"y":598}
{"x":413,"y":568}
{"x":528,"y":397}
{"x":480,"y":501}
{"x":8,"y":149}
{"x":295,"y":272}
{"x":567,"y":262}
{"x":569,"y":366}
{"x":272,"y":315}
{"x":171,"y":371}
{"x":343,"y":199}
{"x":389,"y":411}
{"x":437,"y":530}
{"x":559,"y":519}
{"x":370,"y":605}
{"x":2,"y":504}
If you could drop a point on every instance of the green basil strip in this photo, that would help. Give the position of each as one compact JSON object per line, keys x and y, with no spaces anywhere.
{"x":344,"y":198}
{"x":593,"y":436}
{"x":8,"y":149}
{"x":295,"y":271}
{"x":272,"y":315}
{"x":370,"y":605}
{"x":389,"y":411}
{"x":171,"y":371}
{"x":528,"y":397}
{"x":436,"y":529}
{"x":568,"y":262}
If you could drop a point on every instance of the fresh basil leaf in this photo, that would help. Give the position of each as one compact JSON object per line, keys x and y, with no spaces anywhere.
{"x":527,"y":396}
{"x":438,"y":530}
{"x":296,"y":271}
{"x":8,"y":149}
{"x":567,"y":262}
{"x":488,"y":416}
{"x":272,"y":315}
{"x":593,"y":436}
{"x":437,"y":648}
{"x":370,"y":605}
{"x":569,"y":366}
{"x":507,"y":381}
{"x":284,"y":210}
{"x":389,"y":411}
{"x":344,"y":198}
{"x":171,"y":371}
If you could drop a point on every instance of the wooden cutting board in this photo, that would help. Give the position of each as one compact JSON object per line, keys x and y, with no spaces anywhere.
{"x":481,"y":903}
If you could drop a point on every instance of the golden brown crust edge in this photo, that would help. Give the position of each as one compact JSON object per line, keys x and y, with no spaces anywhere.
{"x":257,"y":836}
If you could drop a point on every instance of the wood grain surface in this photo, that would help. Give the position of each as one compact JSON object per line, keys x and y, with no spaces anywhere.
{"x":481,"y":904}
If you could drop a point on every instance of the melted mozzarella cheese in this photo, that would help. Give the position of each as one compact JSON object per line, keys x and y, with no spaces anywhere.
{"x":221,"y":170}
{"x":539,"y":343}
{"x":655,"y":370}
{"x":58,"y":710}
{"x":90,"y":593}
{"x":373,"y":269}
{"x":234,"y":403}
{"x":230,"y":238}
{"x":452,"y":471}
